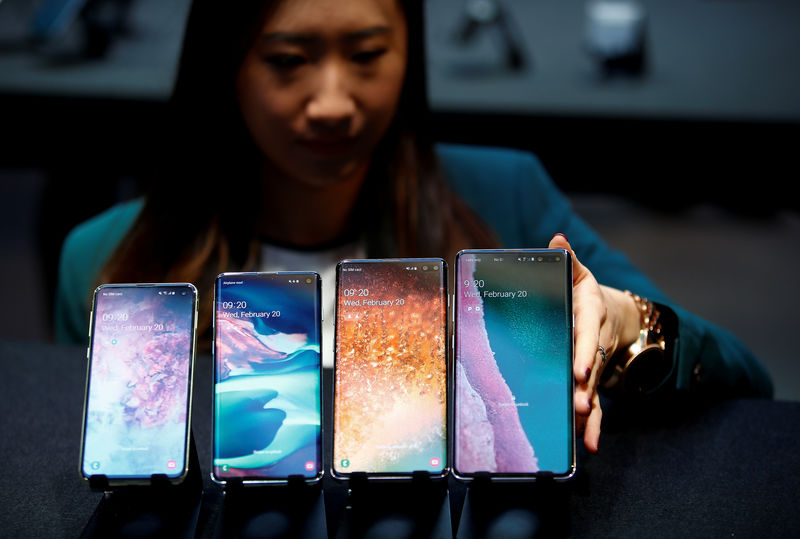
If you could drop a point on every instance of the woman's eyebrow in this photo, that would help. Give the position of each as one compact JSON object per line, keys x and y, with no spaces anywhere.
{"x":368,"y":32}
{"x":304,"y":38}
{"x":289,"y":37}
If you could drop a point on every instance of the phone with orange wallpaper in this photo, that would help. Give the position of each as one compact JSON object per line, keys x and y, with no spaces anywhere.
{"x":390,"y":372}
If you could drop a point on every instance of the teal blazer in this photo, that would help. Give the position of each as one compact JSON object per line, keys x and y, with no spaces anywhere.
{"x":515,"y":196}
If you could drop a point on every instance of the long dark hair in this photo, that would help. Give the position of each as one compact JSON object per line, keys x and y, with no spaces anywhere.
{"x":200,"y":213}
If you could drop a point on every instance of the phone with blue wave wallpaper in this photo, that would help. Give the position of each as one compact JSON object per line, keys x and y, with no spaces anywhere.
{"x":267,"y":397}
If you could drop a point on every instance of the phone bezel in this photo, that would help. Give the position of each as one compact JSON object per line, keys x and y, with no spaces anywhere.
{"x":256,"y":481}
{"x":113,"y":481}
{"x":513,"y":477}
{"x":412,"y":474}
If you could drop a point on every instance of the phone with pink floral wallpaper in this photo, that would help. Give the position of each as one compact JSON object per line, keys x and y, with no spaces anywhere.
{"x":137,"y":409}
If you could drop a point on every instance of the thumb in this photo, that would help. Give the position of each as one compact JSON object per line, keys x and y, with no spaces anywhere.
{"x":579,"y":271}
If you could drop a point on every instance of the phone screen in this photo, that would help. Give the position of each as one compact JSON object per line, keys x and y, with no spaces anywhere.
{"x":267,"y":377}
{"x":137,"y":410}
{"x":513,"y":363}
{"x":390,"y":400}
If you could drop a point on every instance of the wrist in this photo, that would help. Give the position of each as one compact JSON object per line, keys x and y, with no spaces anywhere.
{"x":628,"y":318}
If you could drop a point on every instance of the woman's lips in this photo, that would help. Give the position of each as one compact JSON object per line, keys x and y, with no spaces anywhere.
{"x":328,"y":147}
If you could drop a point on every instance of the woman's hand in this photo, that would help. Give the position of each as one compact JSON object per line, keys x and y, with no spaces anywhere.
{"x":603,"y":317}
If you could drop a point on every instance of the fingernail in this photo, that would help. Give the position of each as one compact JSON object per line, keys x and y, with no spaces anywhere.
{"x":588,"y":373}
{"x":562,"y":235}
{"x":589,"y":403}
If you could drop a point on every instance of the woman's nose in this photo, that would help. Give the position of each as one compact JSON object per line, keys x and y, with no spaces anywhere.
{"x":331,"y":104}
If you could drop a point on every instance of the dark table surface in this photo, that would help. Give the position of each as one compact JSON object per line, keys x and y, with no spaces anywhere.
{"x":698,"y":469}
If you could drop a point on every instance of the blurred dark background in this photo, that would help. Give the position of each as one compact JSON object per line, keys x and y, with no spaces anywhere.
{"x":671,"y":125}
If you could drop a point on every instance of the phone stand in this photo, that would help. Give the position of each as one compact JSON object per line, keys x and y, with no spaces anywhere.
{"x":416,"y":508}
{"x":159,"y":509}
{"x":508,"y":509}
{"x":294,"y":509}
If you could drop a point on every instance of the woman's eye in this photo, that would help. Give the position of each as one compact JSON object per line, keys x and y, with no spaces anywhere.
{"x":365,"y":57}
{"x":284,"y":61}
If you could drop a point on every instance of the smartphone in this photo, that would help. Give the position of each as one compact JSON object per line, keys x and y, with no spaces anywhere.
{"x":390,"y":368}
{"x":267,"y":420}
{"x":137,"y":408}
{"x":513,"y":382}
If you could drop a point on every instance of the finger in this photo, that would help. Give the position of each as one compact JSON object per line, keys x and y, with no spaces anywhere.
{"x":583,"y":401}
{"x":579,"y":271}
{"x":591,"y":434}
{"x":588,"y":320}
{"x":589,"y":313}
{"x":580,"y":425}
{"x":606,"y":340}
{"x":585,"y":394}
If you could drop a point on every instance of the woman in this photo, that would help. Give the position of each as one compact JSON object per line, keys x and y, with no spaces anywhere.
{"x":300,"y":139}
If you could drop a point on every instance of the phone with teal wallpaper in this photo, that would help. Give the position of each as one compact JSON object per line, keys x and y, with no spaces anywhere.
{"x":513,"y":382}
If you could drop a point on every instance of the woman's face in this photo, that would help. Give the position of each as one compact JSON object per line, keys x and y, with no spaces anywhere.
{"x":320,"y":85}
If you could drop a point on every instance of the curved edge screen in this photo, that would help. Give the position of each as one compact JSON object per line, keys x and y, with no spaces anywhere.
{"x":390,"y":374}
{"x":513,"y":381}
{"x":267,"y":377}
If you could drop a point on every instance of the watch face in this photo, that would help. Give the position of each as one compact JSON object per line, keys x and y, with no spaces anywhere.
{"x":647,"y":370}
{"x":647,"y":363}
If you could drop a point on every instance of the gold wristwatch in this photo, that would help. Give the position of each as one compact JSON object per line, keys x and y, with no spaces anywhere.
{"x":643,"y":366}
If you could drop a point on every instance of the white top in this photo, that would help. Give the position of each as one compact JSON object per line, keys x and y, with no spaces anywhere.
{"x":275,"y":258}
